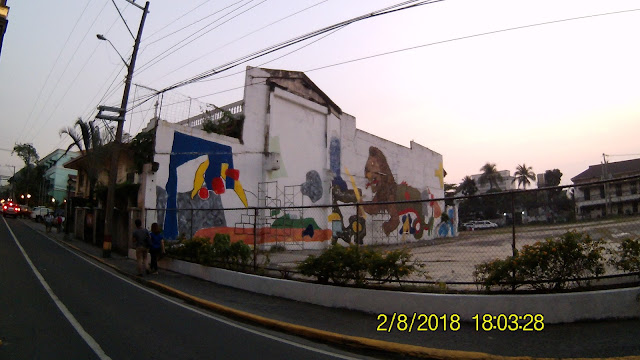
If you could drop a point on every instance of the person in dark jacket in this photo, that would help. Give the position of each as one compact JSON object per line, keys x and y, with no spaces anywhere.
{"x":157,"y":246}
{"x":142,"y":243}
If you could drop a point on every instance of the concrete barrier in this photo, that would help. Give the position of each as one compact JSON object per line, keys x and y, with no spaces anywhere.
{"x":556,"y":308}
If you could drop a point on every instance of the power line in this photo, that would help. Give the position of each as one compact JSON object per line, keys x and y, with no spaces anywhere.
{"x":53,"y":66}
{"x":164,"y":55}
{"x":123,"y":20}
{"x":428,"y":44}
{"x":240,"y":38}
{"x":77,"y":74}
{"x":401,"y":6}
{"x":173,"y":21}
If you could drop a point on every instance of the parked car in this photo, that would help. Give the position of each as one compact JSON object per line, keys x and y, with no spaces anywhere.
{"x":10,"y":209}
{"x":480,"y":224}
{"x":38,"y":213}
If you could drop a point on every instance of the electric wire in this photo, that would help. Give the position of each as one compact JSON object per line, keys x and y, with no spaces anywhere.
{"x":174,"y":21}
{"x":401,"y":6}
{"x":164,"y":55}
{"x":51,"y":113}
{"x":240,"y":38}
{"x":46,"y":81}
{"x":430,"y":44}
{"x":123,"y":20}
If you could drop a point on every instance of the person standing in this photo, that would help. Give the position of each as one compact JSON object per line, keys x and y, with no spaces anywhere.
{"x":157,"y":246}
{"x":141,"y":242}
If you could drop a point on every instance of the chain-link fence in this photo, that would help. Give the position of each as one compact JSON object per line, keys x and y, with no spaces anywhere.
{"x":499,"y":239}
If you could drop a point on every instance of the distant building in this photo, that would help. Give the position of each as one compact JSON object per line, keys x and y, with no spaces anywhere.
{"x":56,"y":175}
{"x":4,"y":14}
{"x":618,"y":198}
{"x":504,"y":185}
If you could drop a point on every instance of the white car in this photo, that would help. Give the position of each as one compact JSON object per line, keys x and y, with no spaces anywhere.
{"x":480,"y":224}
{"x":38,"y":213}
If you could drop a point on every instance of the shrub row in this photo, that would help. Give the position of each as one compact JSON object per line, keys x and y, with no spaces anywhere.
{"x":556,"y":264}
{"x":359,"y":265}
{"x":221,"y":252}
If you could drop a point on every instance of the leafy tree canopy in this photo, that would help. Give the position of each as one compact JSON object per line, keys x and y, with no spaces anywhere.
{"x":27,"y":153}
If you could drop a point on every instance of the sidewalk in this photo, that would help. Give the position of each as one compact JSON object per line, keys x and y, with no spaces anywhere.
{"x":345,"y":327}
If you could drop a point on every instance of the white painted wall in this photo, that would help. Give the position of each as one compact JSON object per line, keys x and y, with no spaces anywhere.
{"x":298,"y":131}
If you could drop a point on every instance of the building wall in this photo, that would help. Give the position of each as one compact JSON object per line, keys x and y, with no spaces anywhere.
{"x":505,"y":185}
{"x":294,"y":151}
{"x":58,"y":174}
{"x":622,"y":200}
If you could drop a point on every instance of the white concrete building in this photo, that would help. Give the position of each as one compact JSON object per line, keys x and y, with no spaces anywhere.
{"x":506,"y":184}
{"x":292,"y":146}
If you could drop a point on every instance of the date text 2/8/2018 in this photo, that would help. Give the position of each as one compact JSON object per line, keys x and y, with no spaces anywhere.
{"x":418,"y":322}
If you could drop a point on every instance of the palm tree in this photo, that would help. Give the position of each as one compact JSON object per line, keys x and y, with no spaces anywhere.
{"x":89,"y":141}
{"x":89,"y":137}
{"x":523,"y":174}
{"x":490,"y":175}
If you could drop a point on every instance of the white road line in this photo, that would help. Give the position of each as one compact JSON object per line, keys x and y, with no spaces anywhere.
{"x":72,"y":320}
{"x":198,"y":311}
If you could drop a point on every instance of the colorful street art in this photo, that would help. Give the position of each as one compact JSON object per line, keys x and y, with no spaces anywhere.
{"x":385,"y":189}
{"x":216,"y":173}
{"x":313,"y":186}
{"x":356,"y":229}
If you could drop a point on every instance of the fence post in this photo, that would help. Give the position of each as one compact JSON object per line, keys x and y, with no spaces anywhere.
{"x":513,"y":236}
{"x":357,"y":240}
{"x":255,"y":239}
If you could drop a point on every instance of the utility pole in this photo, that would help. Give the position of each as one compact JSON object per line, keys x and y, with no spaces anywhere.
{"x":607,"y":198}
{"x":113,"y":174}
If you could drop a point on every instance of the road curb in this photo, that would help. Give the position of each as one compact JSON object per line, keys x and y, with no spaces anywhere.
{"x":316,"y":334}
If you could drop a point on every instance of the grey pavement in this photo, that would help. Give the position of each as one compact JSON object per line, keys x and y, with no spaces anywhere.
{"x":602,"y":339}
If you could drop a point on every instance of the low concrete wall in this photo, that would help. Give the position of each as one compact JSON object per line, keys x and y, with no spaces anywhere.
{"x":556,"y":308}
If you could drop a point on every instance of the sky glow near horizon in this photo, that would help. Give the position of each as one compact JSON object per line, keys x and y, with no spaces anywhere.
{"x":551,"y":96}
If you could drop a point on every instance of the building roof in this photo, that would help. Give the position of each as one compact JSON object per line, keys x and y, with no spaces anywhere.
{"x":299,"y":83}
{"x":614,"y":169}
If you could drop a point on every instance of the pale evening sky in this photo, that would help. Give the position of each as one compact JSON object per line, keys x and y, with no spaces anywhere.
{"x":551,"y":96}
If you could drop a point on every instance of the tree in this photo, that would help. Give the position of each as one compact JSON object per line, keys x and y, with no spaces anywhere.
{"x":552,"y":177}
{"x":27,"y":153}
{"x":89,"y":137}
{"x":490,"y":175}
{"x":90,"y":143}
{"x":468,"y":186}
{"x":523,"y":174}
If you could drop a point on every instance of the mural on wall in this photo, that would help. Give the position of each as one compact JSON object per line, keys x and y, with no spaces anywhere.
{"x":313,"y":186}
{"x":215,"y":174}
{"x":448,"y":227}
{"x":385,"y":189}
{"x":355,"y":229}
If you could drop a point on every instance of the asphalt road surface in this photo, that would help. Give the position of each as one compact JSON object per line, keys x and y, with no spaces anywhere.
{"x":55,"y":304}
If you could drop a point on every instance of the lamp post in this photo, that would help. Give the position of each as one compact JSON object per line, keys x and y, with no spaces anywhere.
{"x":113,"y":174}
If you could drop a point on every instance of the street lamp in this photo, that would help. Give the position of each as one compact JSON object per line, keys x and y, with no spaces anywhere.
{"x":101,"y":37}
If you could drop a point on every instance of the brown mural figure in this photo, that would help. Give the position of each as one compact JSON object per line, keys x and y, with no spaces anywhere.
{"x":385,"y":189}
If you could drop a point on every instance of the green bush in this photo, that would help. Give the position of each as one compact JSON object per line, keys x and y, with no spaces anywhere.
{"x":627,"y":256}
{"x":499,"y":272}
{"x":220,"y":253}
{"x":551,"y":264}
{"x":342,"y":265}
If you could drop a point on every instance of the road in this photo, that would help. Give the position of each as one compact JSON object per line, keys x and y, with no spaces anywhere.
{"x":58,"y":305}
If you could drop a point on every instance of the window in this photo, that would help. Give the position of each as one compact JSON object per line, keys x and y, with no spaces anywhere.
{"x":618,"y":189}
{"x":633,"y":187}
{"x":587,"y":194}
{"x":601,"y":191}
